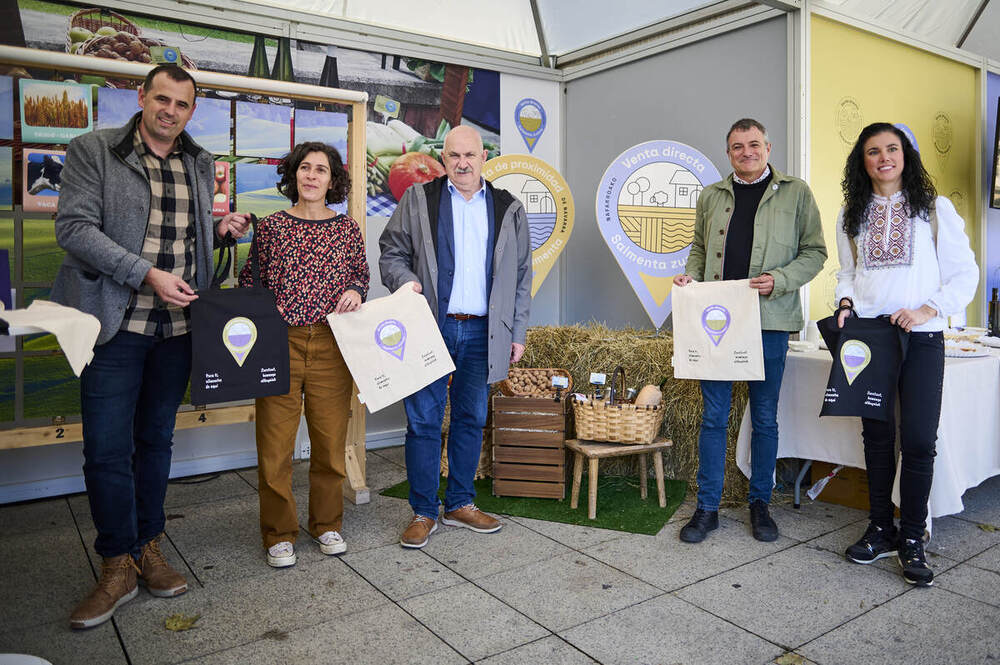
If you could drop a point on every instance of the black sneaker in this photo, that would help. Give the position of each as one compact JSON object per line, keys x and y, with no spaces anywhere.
{"x":699,"y":525}
{"x":762,"y":525}
{"x":911,"y":558}
{"x":877,"y":543}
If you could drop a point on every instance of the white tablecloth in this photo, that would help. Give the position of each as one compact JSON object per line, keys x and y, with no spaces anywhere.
{"x":968,"y":445}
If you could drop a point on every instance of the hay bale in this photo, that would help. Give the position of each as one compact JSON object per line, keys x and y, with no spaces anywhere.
{"x":645,"y":357}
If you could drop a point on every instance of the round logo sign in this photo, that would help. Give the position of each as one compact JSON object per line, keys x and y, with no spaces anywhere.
{"x":547,"y":200}
{"x":645,"y":210}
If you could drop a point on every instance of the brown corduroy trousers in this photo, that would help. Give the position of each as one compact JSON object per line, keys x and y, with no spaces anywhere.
{"x":320,"y":376}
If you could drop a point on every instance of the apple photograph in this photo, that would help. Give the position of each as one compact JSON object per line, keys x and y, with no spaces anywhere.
{"x":6,"y":107}
{"x":6,"y":179}
{"x":116,"y":106}
{"x":323,"y":126}
{"x":220,"y":197}
{"x":210,"y":125}
{"x":42,"y":179}
{"x":54,"y":111}
{"x":263,"y":130}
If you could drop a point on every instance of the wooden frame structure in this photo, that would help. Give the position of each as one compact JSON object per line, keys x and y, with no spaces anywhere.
{"x":193,"y":417}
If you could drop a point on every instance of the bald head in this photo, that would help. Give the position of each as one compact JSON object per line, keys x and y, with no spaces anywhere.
{"x":463,"y":159}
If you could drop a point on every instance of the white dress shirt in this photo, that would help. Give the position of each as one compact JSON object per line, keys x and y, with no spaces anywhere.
{"x":470,"y":222}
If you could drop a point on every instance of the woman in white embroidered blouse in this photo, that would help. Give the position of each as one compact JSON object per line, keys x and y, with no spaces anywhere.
{"x":904,"y":254}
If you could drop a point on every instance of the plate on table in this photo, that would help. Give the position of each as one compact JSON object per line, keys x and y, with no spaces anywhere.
{"x":965,"y":350}
{"x":986,"y":340}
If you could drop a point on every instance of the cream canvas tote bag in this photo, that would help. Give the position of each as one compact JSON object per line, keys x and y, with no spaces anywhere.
{"x":717,"y":331}
{"x":392,"y":346}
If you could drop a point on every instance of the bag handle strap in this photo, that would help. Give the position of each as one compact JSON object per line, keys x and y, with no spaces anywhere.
{"x":225,"y":262}
{"x":253,"y":258}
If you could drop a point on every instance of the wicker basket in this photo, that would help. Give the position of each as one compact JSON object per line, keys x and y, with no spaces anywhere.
{"x":618,"y":423}
{"x":94,"y":19}
{"x":507,"y":389}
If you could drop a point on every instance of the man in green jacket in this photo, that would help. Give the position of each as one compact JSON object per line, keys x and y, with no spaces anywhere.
{"x":760,"y":224}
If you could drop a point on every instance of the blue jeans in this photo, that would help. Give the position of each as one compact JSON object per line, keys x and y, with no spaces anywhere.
{"x":717,"y":397}
{"x":129,"y":396}
{"x":467,"y":344}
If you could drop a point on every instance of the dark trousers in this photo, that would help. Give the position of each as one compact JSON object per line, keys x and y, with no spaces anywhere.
{"x":129,"y":396}
{"x":920,"y":379}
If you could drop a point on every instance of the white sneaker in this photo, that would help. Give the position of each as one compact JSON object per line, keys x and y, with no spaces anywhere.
{"x":281,"y":555}
{"x":331,"y":542}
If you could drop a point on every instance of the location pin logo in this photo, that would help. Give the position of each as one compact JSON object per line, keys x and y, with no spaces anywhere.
{"x":390,"y":336}
{"x":854,"y":357}
{"x":529,"y":117}
{"x":239,"y":335}
{"x":715,"y":321}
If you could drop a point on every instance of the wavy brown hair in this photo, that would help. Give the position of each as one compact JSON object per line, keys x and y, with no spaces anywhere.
{"x":340,"y":183}
{"x":918,"y":188}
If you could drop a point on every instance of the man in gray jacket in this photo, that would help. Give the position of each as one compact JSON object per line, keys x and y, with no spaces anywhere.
{"x":135,"y":219}
{"x":465,"y":246}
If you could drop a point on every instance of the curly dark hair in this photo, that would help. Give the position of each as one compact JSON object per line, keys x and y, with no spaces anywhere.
{"x":857,"y":185}
{"x":340,"y":179}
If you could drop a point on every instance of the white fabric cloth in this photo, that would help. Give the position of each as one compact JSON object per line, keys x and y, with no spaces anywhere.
{"x":75,"y":331}
{"x":968,"y":445}
{"x":944,"y":278}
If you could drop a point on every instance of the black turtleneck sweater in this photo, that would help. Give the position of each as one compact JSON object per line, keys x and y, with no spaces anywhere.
{"x":739,"y":237}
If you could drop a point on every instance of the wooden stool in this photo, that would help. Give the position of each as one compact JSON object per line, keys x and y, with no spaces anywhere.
{"x":595,"y":451}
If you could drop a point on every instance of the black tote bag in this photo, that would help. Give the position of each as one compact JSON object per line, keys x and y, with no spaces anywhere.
{"x":239,"y":342}
{"x":867,"y":354}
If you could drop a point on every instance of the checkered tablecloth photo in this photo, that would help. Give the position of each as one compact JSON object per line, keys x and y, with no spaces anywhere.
{"x":381,"y":205}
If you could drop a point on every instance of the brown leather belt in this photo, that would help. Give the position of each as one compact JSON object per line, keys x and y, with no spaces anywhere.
{"x":465,"y":317}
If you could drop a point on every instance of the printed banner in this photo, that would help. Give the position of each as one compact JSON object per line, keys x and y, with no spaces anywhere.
{"x":529,"y":118}
{"x":42,"y":179}
{"x":54,"y":111}
{"x":548,"y":202}
{"x":220,"y":194}
{"x":645,"y":210}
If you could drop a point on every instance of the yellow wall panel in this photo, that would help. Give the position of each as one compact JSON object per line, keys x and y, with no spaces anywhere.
{"x":859,"y":78}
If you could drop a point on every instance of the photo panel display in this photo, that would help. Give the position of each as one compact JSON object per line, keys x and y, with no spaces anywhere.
{"x":323,"y":126}
{"x":54,"y":111}
{"x":115,"y":107}
{"x":220,"y":194}
{"x":6,"y":108}
{"x":263,"y":130}
{"x":42,"y":179}
{"x":210,"y":125}
{"x":6,"y":178}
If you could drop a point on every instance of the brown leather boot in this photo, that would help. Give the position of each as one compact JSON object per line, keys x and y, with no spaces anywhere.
{"x":117,"y":585}
{"x":418,"y":532}
{"x":160,"y":579}
{"x":471,"y":518}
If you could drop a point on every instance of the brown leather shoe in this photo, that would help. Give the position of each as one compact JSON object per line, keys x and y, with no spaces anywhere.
{"x":117,"y":586}
{"x":160,"y":578}
{"x":471,"y":518}
{"x":418,"y":532}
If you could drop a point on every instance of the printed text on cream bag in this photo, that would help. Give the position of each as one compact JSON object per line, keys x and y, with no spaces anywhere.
{"x":392,"y":346}
{"x":717,"y":331}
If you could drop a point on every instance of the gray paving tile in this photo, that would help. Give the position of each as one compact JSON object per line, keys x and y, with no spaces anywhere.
{"x":221,"y":540}
{"x":668,"y":630}
{"x":375,"y":524}
{"x":550,"y":650}
{"x":210,"y":487}
{"x":818,"y":591}
{"x":921,"y":627}
{"x":812,"y":519}
{"x":666,"y":562}
{"x":20,"y":518}
{"x":57,"y":643}
{"x":571,"y":535}
{"x":245,"y":610}
{"x":567,"y":590}
{"x":988,"y":560}
{"x":959,"y":539}
{"x":968,"y":580}
{"x":838,"y":541}
{"x":395,"y":454}
{"x":472,"y":622}
{"x":383,"y":635}
{"x":45,"y":574}
{"x":982,"y":503}
{"x":401,"y":573}
{"x":475,"y":555}
{"x":381,"y":473}
{"x":685,"y":510}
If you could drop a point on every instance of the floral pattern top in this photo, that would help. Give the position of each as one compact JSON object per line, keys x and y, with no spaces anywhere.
{"x":308,"y":264}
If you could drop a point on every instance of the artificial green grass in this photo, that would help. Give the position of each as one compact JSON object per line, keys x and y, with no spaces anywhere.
{"x":618,"y":504}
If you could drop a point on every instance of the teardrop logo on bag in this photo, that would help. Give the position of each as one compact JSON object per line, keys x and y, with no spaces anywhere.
{"x":239,"y":335}
{"x":715,"y":320}
{"x":854,"y":357}
{"x":390,"y":336}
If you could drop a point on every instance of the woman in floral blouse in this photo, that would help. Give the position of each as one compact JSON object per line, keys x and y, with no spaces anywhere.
{"x":313,"y":260}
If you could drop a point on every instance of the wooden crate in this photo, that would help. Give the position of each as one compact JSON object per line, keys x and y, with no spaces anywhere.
{"x":528,"y":454}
